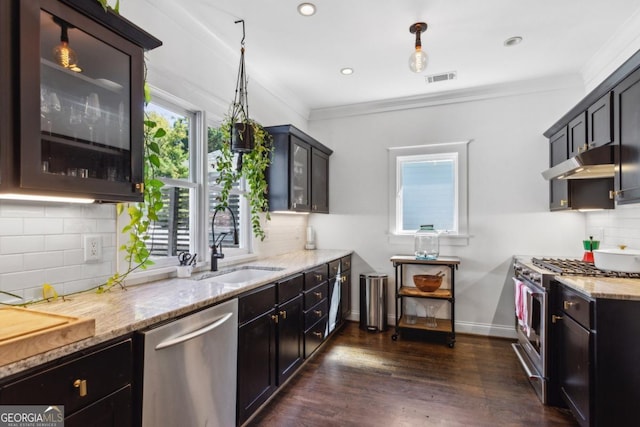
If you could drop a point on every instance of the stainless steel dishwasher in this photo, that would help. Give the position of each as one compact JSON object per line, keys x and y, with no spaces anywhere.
{"x":190,"y":370}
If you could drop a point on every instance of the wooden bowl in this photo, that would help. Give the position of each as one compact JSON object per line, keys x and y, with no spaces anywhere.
{"x":427,"y":282}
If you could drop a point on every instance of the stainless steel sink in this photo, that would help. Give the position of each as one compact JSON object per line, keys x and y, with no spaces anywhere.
{"x":238,"y":277}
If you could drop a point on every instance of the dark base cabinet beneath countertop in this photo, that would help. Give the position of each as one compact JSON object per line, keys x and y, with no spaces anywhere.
{"x":94,"y":385}
{"x":599,"y":358}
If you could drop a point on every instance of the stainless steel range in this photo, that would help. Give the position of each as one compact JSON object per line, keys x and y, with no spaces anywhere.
{"x":534,"y":291}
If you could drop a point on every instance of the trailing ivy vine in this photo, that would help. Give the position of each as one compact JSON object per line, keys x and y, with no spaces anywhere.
{"x":252,"y":169}
{"x":143,"y":214}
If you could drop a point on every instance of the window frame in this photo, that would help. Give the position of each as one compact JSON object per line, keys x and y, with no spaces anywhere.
{"x":197,"y":183}
{"x":398,"y":155}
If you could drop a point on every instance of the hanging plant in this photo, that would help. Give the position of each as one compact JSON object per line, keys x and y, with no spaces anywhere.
{"x":253,"y":145}
{"x":253,"y":167}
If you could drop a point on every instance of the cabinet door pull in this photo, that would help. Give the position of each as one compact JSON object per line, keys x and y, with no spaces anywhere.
{"x":140,"y":187}
{"x":317,"y":334}
{"x":318,"y":294}
{"x":555,"y":318}
{"x":564,"y":202}
{"x":318,"y":313}
{"x":275,"y":318}
{"x":318,"y":277}
{"x":283,"y":313}
{"x":81,"y":385}
{"x":568,"y":304}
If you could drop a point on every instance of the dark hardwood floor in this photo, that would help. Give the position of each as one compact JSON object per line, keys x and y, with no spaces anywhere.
{"x":366,"y":379}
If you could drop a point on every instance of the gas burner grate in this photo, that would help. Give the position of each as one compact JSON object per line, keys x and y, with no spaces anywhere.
{"x":576,"y":267}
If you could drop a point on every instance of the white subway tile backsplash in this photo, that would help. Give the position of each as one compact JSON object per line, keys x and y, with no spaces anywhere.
{"x":42,"y":260}
{"x":11,"y":263}
{"x":22,"y":280}
{"x":64,"y":211}
{"x":43,"y":243}
{"x":73,"y":257}
{"x":620,"y":226}
{"x":80,"y":225}
{"x":104,"y":225}
{"x":11,"y":226}
{"x":21,"y":244}
{"x":21,"y":209}
{"x":34,"y":226}
{"x":63,"y":241}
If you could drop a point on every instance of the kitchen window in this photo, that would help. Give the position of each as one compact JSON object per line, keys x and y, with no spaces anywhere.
{"x":428,"y":186}
{"x":188,"y":152}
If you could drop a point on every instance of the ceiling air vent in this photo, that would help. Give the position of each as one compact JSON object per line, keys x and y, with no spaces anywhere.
{"x":435,"y":78}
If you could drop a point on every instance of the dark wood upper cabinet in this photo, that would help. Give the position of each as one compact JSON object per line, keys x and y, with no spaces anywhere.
{"x":319,"y":181}
{"x":76,"y":119}
{"x":577,"y":135}
{"x":600,"y":122}
{"x":558,"y":188}
{"x":299,"y":174}
{"x":627,"y":138}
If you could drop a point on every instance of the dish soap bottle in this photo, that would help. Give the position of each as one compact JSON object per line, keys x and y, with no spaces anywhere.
{"x":426,"y":243}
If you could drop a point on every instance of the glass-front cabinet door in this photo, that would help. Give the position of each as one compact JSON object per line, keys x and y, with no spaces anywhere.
{"x":299,"y":176}
{"x":81,"y":91}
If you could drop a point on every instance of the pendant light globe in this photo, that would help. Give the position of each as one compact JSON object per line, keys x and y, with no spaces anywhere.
{"x":418,"y":59}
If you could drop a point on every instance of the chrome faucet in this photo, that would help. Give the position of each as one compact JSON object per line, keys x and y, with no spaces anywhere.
{"x":217,"y":243}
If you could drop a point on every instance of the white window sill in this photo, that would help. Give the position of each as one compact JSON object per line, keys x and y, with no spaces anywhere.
{"x":445,"y":239}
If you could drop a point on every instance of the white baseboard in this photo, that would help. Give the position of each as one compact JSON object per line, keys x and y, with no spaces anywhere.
{"x":484,"y":329}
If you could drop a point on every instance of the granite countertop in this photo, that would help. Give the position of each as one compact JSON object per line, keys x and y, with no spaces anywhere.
{"x":603,"y":287}
{"x":121,"y":311}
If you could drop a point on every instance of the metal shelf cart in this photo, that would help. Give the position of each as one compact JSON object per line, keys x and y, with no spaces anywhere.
{"x":402,"y":290}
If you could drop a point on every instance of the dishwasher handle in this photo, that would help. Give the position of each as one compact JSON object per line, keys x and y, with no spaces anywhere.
{"x":182,"y":338}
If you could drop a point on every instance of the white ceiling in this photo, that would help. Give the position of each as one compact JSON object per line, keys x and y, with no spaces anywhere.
{"x":303,"y":55}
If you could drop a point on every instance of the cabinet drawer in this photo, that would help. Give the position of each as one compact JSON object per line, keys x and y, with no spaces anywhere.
{"x":256,"y":303}
{"x":316,"y":313}
{"x":334,"y":267}
{"x":315,"y":295}
{"x":290,"y":288}
{"x":315,"y":276}
{"x":577,"y":306}
{"x":104,"y":371}
{"x":314,"y":336}
{"x":346,"y":263}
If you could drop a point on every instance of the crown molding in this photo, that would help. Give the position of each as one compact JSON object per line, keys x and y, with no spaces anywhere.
{"x":450,"y":97}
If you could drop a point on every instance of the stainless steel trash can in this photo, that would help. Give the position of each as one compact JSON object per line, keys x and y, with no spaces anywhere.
{"x":373,"y":302}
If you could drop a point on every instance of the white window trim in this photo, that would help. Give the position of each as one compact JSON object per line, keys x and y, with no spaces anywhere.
{"x":396,"y":236}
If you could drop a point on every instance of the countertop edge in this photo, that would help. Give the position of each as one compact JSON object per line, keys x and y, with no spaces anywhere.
{"x":603,"y":287}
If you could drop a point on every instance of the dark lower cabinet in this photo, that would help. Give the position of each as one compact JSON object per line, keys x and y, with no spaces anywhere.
{"x":598,"y":358}
{"x":256,"y":350}
{"x":574,"y":368}
{"x":290,"y":338}
{"x":280,"y":325}
{"x":113,"y":410}
{"x":270,"y":342}
{"x":94,"y":386}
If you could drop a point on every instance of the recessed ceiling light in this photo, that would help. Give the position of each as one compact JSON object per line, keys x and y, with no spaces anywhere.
{"x":306,"y":9}
{"x":512,"y":41}
{"x":346,"y":71}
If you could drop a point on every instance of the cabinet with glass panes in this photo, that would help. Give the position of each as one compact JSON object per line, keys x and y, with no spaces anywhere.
{"x":78,"y":74}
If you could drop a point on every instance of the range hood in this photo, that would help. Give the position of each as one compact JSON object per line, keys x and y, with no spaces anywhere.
{"x":598,"y":162}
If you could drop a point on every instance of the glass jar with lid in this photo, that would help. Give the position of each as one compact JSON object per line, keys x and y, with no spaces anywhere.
{"x":426,"y":243}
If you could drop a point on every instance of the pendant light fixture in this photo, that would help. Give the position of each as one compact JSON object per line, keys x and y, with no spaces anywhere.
{"x":418,"y":59}
{"x":62,"y":53}
{"x":242,"y":129}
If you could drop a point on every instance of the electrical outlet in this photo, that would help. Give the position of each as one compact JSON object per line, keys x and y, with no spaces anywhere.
{"x":92,"y":248}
